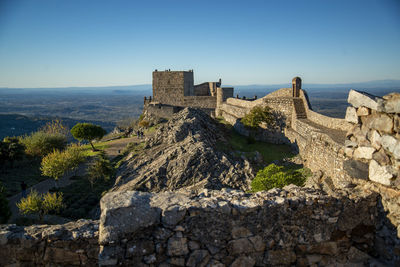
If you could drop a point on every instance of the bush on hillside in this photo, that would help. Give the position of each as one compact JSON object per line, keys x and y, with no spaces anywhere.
{"x":41,"y":143}
{"x":257,"y":115}
{"x":5,"y":212}
{"x":58,"y":163}
{"x":56,"y":127}
{"x":40,"y":204}
{"x":276,"y":176}
{"x":11,"y":149}
{"x":100,"y":169}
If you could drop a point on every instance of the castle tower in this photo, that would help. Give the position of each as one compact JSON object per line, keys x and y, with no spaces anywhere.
{"x":222,"y":94}
{"x":169,"y":87}
{"x":296,"y":87}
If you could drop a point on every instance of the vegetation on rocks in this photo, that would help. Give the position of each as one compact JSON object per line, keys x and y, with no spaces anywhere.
{"x":257,"y":115}
{"x":276,"y":176}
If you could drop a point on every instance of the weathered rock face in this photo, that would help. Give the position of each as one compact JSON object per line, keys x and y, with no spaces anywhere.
{"x":183,"y":153}
{"x":71,"y":244}
{"x":231,"y":228}
{"x":373,"y":149}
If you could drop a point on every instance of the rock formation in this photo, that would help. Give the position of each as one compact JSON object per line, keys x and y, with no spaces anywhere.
{"x":181,"y":154}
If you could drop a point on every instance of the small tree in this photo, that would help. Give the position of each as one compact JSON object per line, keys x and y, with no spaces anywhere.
{"x":5,"y":212}
{"x":87,"y":131}
{"x":40,"y":204}
{"x":257,"y":115}
{"x":101,"y":168}
{"x":276,"y":176}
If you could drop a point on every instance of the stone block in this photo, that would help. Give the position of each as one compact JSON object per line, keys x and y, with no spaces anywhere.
{"x":356,"y":169}
{"x":358,"y":99}
{"x":392,"y":103}
{"x":198,"y":258}
{"x":381,"y":122}
{"x":379,"y":174}
{"x":390,"y":144}
{"x":381,"y":157}
{"x":177,"y":246}
{"x":117,"y":211}
{"x":351,"y":115}
{"x":238,"y":232}
{"x":240,"y":246}
{"x":375,"y":139}
{"x":363,"y":111}
{"x":281,"y":257}
{"x":243,"y":261}
{"x":363,"y":152}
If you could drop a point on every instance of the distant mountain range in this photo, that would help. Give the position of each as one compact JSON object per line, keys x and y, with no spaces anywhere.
{"x":146,"y":88}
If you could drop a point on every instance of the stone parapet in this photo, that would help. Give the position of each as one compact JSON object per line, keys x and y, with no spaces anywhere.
{"x":71,"y":244}
{"x":231,"y":228}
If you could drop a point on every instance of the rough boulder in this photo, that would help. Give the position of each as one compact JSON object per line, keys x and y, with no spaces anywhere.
{"x":183,"y":154}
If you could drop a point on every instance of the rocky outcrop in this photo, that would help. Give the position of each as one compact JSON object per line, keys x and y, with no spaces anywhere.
{"x":71,"y":244}
{"x":183,"y":153}
{"x":293,"y":226}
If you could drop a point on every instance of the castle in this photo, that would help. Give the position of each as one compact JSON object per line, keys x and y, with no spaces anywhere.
{"x":174,"y":90}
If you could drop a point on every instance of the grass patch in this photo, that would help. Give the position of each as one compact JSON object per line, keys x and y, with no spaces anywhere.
{"x":87,"y":149}
{"x":238,"y":142}
{"x":27,"y":170}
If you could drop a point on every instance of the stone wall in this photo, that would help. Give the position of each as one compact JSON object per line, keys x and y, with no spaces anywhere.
{"x":71,"y":244}
{"x":160,"y":110}
{"x":319,"y":151}
{"x":200,"y":101}
{"x":293,"y":226}
{"x":373,"y":147}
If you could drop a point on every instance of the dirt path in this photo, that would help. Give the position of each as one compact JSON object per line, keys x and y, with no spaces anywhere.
{"x":42,"y":187}
{"x":116,"y":147}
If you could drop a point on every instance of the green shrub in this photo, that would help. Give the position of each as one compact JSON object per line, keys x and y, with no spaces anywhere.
{"x":57,"y":163}
{"x":40,"y":204}
{"x":101,"y":168}
{"x":41,"y":143}
{"x":276,"y":176}
{"x":5,"y":212}
{"x":257,"y":115}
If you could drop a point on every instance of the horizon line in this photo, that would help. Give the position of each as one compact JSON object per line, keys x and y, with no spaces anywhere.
{"x":149,"y":84}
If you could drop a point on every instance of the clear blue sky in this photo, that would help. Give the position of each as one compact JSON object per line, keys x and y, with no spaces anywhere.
{"x":57,"y":43}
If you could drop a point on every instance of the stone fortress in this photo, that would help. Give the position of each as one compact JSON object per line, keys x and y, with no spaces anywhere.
{"x":174,"y":90}
{"x":353,"y":221}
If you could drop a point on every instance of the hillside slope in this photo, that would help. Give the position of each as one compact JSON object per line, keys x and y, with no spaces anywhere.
{"x":183,"y":153}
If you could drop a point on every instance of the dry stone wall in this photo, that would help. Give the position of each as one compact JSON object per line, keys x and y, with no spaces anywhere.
{"x":71,"y":244}
{"x":373,"y":147}
{"x":293,"y":226}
